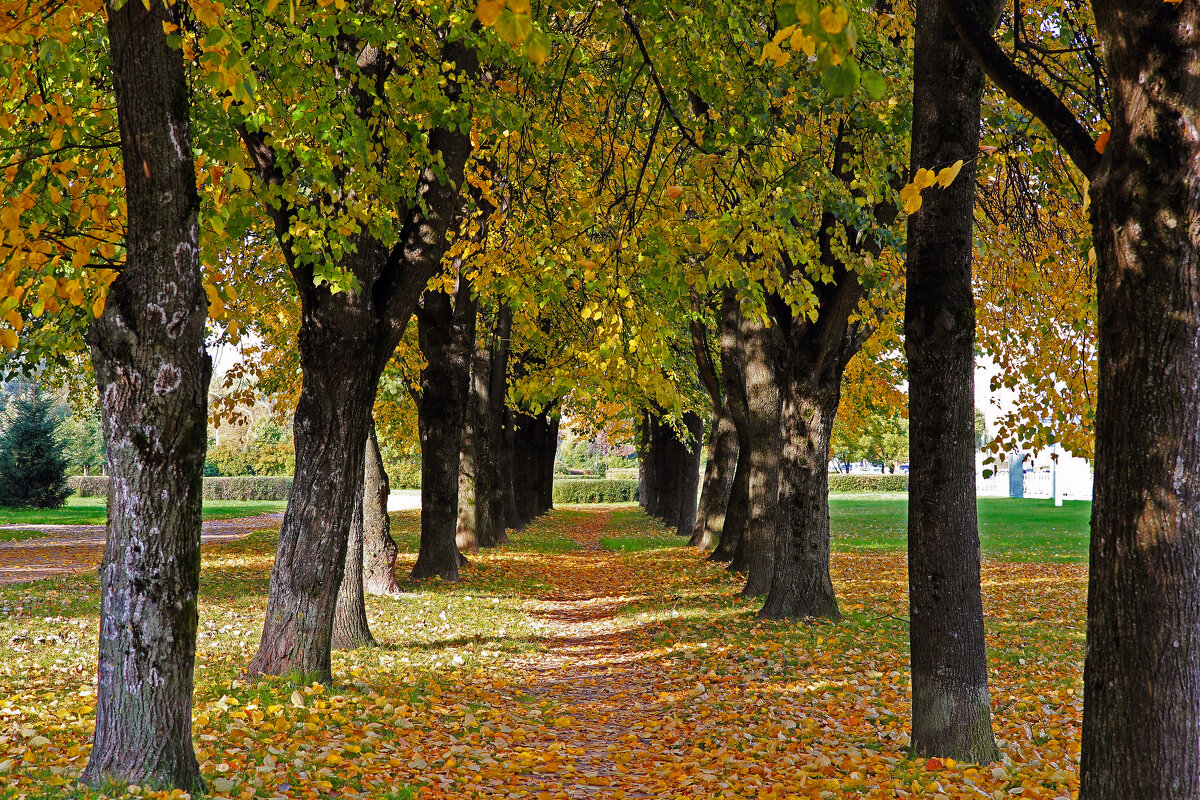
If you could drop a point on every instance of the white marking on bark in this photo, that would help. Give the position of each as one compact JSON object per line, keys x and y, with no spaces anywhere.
{"x":155,"y":308}
{"x":168,"y":380}
{"x":178,"y":137}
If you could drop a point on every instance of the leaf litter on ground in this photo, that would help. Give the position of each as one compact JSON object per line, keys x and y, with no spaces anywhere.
{"x":566,"y":665}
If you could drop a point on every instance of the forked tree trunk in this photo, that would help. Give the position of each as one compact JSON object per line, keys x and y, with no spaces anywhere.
{"x":718,"y":481}
{"x":951,"y":712}
{"x":152,"y":375}
{"x":447,"y":333}
{"x":350,"y":627}
{"x":689,"y":479}
{"x":752,"y":381}
{"x":346,"y":339}
{"x":1141,"y":714}
{"x":379,"y":548}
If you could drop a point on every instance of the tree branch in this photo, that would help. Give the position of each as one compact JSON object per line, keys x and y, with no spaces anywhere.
{"x":1035,"y":96}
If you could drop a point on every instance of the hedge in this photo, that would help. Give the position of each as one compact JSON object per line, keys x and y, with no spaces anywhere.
{"x":598,"y":490}
{"x":623,"y":473}
{"x":243,"y":487}
{"x":840,"y":482}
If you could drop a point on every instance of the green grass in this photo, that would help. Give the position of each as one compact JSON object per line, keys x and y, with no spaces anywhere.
{"x":16,"y":536}
{"x":92,"y":511}
{"x":636,"y":543}
{"x":1009,"y":530}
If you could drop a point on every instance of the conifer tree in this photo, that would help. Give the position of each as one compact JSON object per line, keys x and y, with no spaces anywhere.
{"x":33,"y":471}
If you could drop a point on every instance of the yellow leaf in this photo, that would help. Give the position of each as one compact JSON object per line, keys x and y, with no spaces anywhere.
{"x":947,"y":175}
{"x":833,"y":20}
{"x":98,"y":306}
{"x":674,"y":192}
{"x":488,"y":11}
{"x":519,"y":6}
{"x":240,"y":179}
{"x":802,"y":42}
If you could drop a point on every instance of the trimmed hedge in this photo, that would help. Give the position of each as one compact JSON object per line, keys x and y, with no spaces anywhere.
{"x":623,"y":473}
{"x":88,"y":485}
{"x":598,"y":490}
{"x":840,"y":482}
{"x":242,"y":487}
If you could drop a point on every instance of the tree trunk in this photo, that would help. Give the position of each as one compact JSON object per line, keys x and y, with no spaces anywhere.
{"x":752,"y":384}
{"x":350,"y":627}
{"x":494,"y":494}
{"x":648,"y":465}
{"x":379,"y":548}
{"x":718,"y":481}
{"x":546,"y":473}
{"x":951,"y":712}
{"x":1141,"y":717}
{"x":508,"y":472}
{"x":668,"y":457}
{"x":689,"y":479}
{"x":152,"y":375}
{"x":447,"y":333}
{"x":473,"y":476}
{"x":737,"y":511}
{"x":802,"y":586}
{"x":346,"y":339}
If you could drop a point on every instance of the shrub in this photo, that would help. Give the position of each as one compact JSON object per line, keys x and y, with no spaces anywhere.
{"x":595,"y":490}
{"x":89,"y":485}
{"x":623,"y":473}
{"x":843,"y":483}
{"x":404,"y":474}
{"x":248,"y":487}
{"x":228,"y":459}
{"x":242,"y":487}
{"x":33,"y":471}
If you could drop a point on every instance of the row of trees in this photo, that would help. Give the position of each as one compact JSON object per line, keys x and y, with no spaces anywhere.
{"x":653,"y":221}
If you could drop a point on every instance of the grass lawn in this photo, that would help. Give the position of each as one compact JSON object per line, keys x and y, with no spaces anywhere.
{"x":1009,"y":530}
{"x":92,"y":511}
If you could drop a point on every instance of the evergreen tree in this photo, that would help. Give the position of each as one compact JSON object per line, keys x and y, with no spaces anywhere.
{"x":32,"y":468}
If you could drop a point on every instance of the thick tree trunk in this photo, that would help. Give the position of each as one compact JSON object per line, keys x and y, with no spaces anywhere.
{"x":546,"y":472}
{"x":689,"y":479}
{"x":447,"y":333}
{"x":668,"y":457}
{"x":152,"y":375}
{"x":802,"y":586}
{"x":649,"y":458}
{"x":379,"y":548}
{"x":737,"y":511}
{"x":350,"y":627}
{"x":473,"y":470}
{"x":752,"y":383}
{"x":951,"y":712}
{"x":494,"y":495}
{"x":1141,"y":717}
{"x":718,"y":482}
{"x":508,"y":472}
{"x":346,"y":338}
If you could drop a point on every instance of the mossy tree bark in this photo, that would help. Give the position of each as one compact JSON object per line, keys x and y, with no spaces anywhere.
{"x":152,"y":375}
{"x":951,"y":710}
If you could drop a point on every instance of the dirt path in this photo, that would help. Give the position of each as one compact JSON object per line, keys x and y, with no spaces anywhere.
{"x":65,"y":549}
{"x":594,"y":681}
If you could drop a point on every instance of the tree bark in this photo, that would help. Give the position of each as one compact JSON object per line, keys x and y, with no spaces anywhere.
{"x":668,"y":453}
{"x":508,"y":472}
{"x":648,"y":465}
{"x":350,"y":627}
{"x":752,"y":384}
{"x":474,"y":470}
{"x":152,"y":375}
{"x":689,"y":479}
{"x":379,"y":548}
{"x":737,"y":511}
{"x":494,"y":495}
{"x":1141,"y":717}
{"x":546,"y":473}
{"x":951,"y":711}
{"x":447,"y":333}
{"x":718,"y":482}
{"x":346,"y":339}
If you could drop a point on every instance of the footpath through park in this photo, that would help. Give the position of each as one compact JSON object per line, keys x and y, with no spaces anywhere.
{"x":593,"y":656}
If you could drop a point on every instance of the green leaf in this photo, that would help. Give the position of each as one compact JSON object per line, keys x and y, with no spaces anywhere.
{"x":841,"y":80}
{"x":875,"y":84}
{"x":785,"y":14}
{"x":513,"y":28}
{"x":537,"y":47}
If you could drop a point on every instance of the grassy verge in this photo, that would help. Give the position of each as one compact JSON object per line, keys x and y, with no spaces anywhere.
{"x":93,"y":511}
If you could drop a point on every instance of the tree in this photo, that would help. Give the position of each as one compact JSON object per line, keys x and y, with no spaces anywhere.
{"x":152,"y":375}
{"x":951,"y":710}
{"x":83,"y":441}
{"x":33,"y":471}
{"x":1143,"y":658}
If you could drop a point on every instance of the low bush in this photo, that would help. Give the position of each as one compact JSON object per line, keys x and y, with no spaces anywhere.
{"x":404,"y":473}
{"x":89,"y":485}
{"x":243,"y":487}
{"x":842,"y":483}
{"x":623,"y":473}
{"x":596,"y":490}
